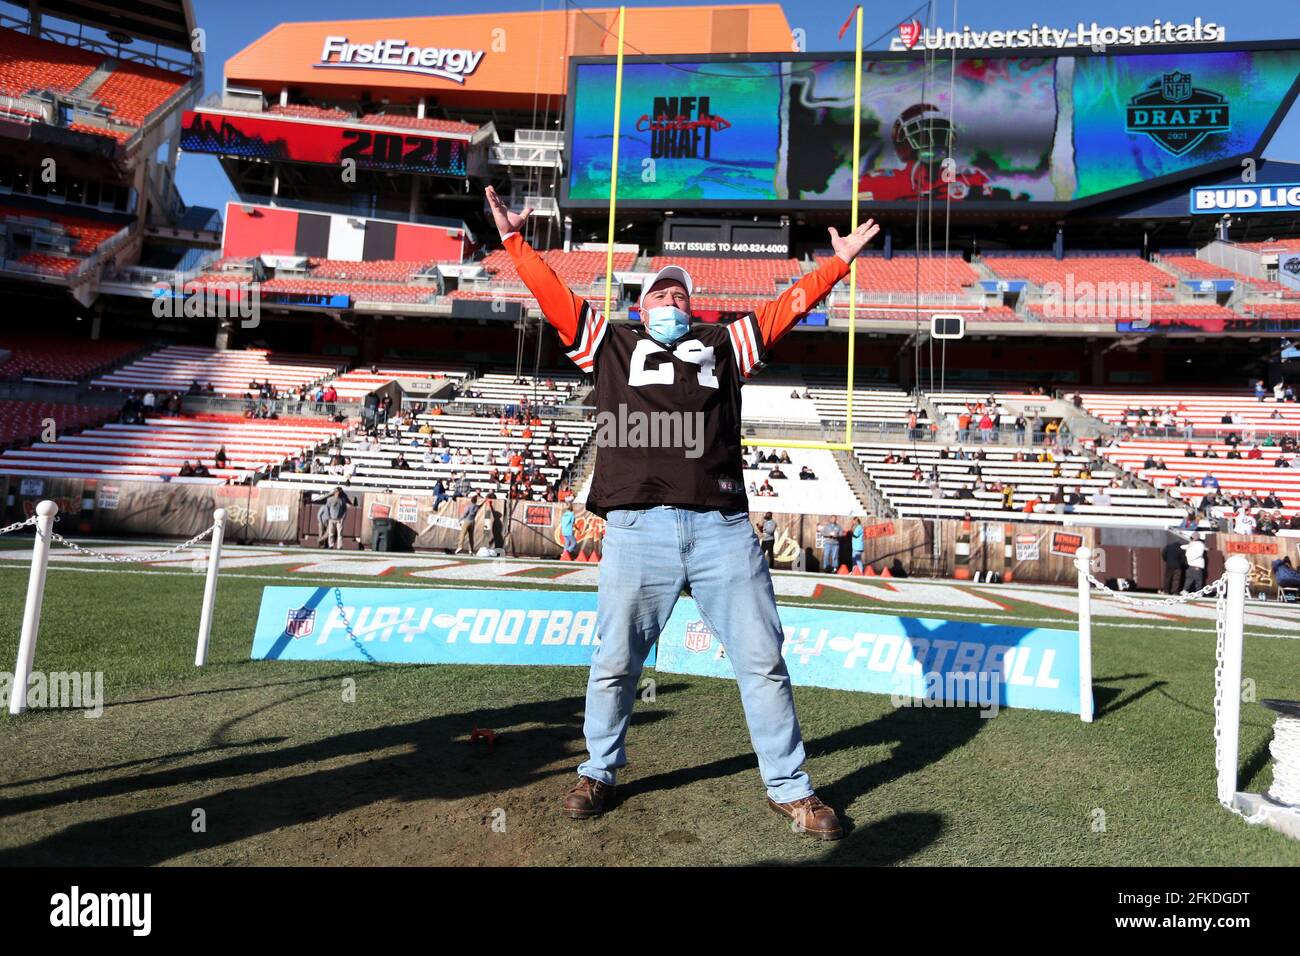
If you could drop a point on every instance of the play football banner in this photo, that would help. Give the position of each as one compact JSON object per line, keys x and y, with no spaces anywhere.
{"x":924,"y":662}
{"x":427,"y":625}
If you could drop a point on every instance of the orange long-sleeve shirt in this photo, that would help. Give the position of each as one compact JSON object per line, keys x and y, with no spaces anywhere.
{"x":563,"y":307}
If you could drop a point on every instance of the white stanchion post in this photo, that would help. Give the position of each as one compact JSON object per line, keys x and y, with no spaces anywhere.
{"x":1083,"y":563}
{"x":1237,"y":568}
{"x":45,"y":512}
{"x":210,"y":587}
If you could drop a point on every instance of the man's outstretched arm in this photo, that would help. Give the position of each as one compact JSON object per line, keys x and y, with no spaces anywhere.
{"x":777,"y":318}
{"x":562,"y":308}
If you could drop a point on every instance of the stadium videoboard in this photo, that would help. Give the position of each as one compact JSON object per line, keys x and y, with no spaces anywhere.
{"x":996,"y":129}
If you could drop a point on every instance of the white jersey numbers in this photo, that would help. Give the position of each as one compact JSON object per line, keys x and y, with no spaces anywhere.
{"x":689,"y":350}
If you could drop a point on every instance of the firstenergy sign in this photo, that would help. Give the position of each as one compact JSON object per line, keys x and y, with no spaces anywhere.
{"x":399,"y":56}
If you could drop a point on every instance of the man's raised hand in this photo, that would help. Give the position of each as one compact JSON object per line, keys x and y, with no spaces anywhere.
{"x":848,"y":247}
{"x":506,"y":220}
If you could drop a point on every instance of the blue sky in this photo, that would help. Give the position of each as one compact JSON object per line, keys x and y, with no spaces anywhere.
{"x":233,"y":24}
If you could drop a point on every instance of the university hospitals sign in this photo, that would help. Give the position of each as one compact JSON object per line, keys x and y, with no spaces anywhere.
{"x":399,"y":56}
{"x":1090,"y":35}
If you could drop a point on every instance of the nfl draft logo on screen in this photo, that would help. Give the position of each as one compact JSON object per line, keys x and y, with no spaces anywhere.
{"x":1176,"y":115}
{"x":399,"y":56}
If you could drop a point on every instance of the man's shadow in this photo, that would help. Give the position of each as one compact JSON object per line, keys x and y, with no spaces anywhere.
{"x":433,"y":760}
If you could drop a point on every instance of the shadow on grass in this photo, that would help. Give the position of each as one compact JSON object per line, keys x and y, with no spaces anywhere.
{"x":435,"y":761}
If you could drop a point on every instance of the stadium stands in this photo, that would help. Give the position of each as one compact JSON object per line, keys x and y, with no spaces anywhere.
{"x":29,"y":64}
{"x":1182,"y":476}
{"x":1030,"y":479}
{"x":26,"y":421}
{"x":1204,"y":408}
{"x":475,"y":448}
{"x":501,"y":388}
{"x":134,"y":91}
{"x":733,"y":276}
{"x":175,"y":368}
{"x":1074,"y":270}
{"x":157,"y":449}
{"x":827,"y":493}
{"x":354,"y":385}
{"x":83,"y":234}
{"x":52,"y":357}
{"x":949,"y":274}
{"x":579,"y":268}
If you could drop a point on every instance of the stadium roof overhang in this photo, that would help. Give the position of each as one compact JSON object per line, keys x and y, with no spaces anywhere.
{"x":490,"y":58}
{"x":168,"y":22}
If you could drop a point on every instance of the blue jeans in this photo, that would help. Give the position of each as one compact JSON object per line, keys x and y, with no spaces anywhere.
{"x":570,"y":543}
{"x":650,"y":554}
{"x":830,"y":556}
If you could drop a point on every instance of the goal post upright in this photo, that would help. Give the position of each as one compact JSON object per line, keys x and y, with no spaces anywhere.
{"x":613,"y":162}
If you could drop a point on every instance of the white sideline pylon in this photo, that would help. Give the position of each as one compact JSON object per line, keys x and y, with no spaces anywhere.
{"x":45,"y":512}
{"x":210,"y":587}
{"x":1083,"y":564}
{"x":1237,"y":567}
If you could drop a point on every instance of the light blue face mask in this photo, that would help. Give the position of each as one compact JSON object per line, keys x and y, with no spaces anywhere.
{"x":666,"y":323}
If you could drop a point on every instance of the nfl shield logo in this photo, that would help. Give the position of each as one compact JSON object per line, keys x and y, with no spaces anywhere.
{"x":698,"y":637}
{"x":299,"y":622}
{"x":1176,"y":86}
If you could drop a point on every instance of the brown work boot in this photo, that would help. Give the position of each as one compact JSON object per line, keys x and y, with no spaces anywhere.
{"x":588,"y":799}
{"x":809,"y":815}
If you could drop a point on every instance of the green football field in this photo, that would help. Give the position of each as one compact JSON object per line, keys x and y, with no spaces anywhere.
{"x":251,"y":762}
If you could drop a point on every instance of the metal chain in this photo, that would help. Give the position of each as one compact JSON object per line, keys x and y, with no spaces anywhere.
{"x":131,"y":559}
{"x":1220,"y":647}
{"x":19,"y":524}
{"x":347,"y":625}
{"x":1210,"y":588}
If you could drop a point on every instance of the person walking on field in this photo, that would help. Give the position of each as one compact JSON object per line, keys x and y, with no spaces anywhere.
{"x":678,"y":517}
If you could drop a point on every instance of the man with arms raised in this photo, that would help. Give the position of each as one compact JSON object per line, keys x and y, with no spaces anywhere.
{"x":678,"y":516}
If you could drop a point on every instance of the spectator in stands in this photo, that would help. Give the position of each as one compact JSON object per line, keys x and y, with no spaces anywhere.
{"x":400,"y":462}
{"x":1021,"y":425}
{"x":1100,"y":498}
{"x":1269,"y":523}
{"x":336,"y":509}
{"x":1194,"y":560}
{"x":1243,"y":523}
{"x":1008,"y":497}
{"x":767,"y":537}
{"x":1209,"y":453}
{"x":1260,"y":390}
{"x":219,"y":459}
{"x":766,"y":490}
{"x":776,"y":472}
{"x":187,"y":470}
{"x":857,"y":543}
{"x":1285,"y":574}
{"x":466,"y":542}
{"x":986,"y":427}
{"x":1209,"y":481}
{"x":830,"y":533}
{"x":806,"y":474}
{"x":1271,"y":500}
{"x":1174,"y":560}
{"x":963,"y":426}
{"x":1189,"y":452}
